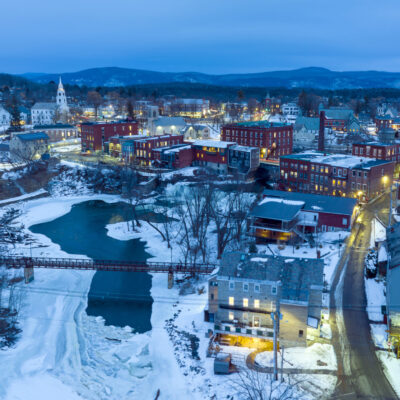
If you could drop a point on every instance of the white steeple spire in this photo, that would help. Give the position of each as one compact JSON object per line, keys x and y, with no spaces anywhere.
{"x":62,"y":98}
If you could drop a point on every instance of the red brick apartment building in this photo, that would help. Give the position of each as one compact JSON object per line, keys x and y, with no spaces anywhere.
{"x":378,"y":150}
{"x":145,"y":149}
{"x":94,"y":135}
{"x":335,"y":174}
{"x":212,"y":154}
{"x":273,"y":139}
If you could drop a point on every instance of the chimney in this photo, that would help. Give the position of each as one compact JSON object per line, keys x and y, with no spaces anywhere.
{"x":321,"y":135}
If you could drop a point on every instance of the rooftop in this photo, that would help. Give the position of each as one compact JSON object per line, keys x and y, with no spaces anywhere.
{"x":44,"y":106}
{"x":32,"y":136}
{"x":212,"y":143}
{"x":336,"y":160}
{"x":277,"y":208}
{"x":169,"y":121}
{"x":296,"y":275}
{"x":259,"y":124}
{"x":54,"y":126}
{"x":315,"y":202}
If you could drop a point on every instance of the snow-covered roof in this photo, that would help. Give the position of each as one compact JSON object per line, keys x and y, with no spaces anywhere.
{"x":169,"y":121}
{"x":44,"y":106}
{"x":212,"y":143}
{"x":336,"y":160}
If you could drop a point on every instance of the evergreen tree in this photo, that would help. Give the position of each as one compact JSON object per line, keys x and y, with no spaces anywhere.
{"x":13,"y":108}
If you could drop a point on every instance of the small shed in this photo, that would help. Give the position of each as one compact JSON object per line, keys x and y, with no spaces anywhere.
{"x":223,"y":363}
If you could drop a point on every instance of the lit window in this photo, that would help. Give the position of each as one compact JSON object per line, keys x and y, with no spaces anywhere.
{"x":256,"y":303}
{"x":231,"y":316}
{"x":245,"y":316}
{"x":231,"y":301}
{"x":245,"y":302}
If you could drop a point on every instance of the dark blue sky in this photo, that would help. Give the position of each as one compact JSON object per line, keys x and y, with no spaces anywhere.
{"x":215,"y":36}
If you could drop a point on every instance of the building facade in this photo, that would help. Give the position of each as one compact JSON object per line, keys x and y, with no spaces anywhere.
{"x":282,"y":216}
{"x":248,"y":288}
{"x":272,"y":139}
{"x":212,"y":154}
{"x":29,"y":146}
{"x":335,"y":174}
{"x":58,"y":132}
{"x":95,"y":135}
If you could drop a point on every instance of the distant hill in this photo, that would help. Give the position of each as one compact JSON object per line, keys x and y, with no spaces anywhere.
{"x":312,"y":77}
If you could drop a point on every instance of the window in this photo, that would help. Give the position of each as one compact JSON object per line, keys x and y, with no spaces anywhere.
{"x":231,"y":285}
{"x":231,"y":316}
{"x":344,"y":222}
{"x":245,"y":287}
{"x":301,"y":333}
{"x":273,"y":290}
{"x":231,"y":301}
{"x":354,"y":173}
{"x":257,"y":288}
{"x":245,"y":316}
{"x":245,"y":302}
{"x":365,"y":174}
{"x":256,"y":303}
{"x":212,"y":296}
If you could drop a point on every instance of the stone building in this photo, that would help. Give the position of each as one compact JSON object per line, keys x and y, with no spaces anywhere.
{"x":248,"y":288}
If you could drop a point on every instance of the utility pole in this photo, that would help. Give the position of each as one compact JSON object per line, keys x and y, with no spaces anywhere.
{"x":276,"y":317}
{"x":282,"y":348}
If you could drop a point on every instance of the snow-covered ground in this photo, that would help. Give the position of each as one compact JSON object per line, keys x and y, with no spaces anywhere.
{"x":316,"y":356}
{"x":63,"y":353}
{"x":375,"y":290}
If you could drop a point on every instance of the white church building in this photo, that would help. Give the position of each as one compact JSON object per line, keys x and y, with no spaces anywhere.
{"x":49,"y":113}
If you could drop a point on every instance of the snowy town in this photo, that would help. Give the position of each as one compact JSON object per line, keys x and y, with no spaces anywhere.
{"x":197,"y":235}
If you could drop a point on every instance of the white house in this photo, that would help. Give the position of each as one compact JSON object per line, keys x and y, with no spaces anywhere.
{"x":166,"y":126}
{"x":305,"y":131}
{"x":5,"y":117}
{"x":47,"y":113}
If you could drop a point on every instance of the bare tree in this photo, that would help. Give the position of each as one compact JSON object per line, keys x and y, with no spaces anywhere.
{"x":253,"y":385}
{"x":95,"y":99}
{"x":221,"y":211}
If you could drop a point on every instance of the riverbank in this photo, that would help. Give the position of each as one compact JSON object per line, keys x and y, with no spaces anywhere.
{"x":61,"y":350}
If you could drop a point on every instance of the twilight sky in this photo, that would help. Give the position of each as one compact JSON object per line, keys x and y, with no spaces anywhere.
{"x":212,"y":36}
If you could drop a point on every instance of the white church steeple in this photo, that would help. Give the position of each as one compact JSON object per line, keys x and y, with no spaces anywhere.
{"x":62,"y":98}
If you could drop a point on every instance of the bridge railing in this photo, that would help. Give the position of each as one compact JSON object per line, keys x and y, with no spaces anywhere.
{"x":105,"y":265}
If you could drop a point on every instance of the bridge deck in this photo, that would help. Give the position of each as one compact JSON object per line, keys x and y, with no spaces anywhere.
{"x":105,"y":265}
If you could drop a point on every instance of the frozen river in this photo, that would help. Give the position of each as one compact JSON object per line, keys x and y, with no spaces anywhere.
{"x":121,"y":298}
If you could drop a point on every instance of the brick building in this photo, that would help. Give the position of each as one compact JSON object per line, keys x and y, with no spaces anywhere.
{"x":378,"y":150}
{"x":145,"y":149}
{"x":273,"y":139}
{"x":95,"y":135}
{"x":335,"y":174}
{"x":212,"y":154}
{"x":338,"y":119}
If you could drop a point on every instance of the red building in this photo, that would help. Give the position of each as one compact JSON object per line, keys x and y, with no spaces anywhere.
{"x":174,"y":157}
{"x":383,"y":122}
{"x":145,"y":149}
{"x":95,"y":135}
{"x":273,"y":139}
{"x":381,"y":151}
{"x":335,"y":174}
{"x":212,"y":154}
{"x":282,"y":216}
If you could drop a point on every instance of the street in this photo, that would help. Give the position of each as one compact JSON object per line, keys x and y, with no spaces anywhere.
{"x":360,"y":373}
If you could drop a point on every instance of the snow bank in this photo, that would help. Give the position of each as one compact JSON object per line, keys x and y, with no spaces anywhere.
{"x":391,"y":366}
{"x":301,"y":357}
{"x":375,"y":291}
